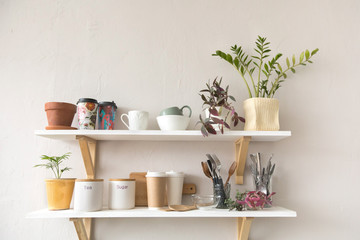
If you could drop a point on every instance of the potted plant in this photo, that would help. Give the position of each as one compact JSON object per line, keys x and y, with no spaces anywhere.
{"x":59,"y":190}
{"x":262,"y":78}
{"x":59,"y":115}
{"x":219,"y":110}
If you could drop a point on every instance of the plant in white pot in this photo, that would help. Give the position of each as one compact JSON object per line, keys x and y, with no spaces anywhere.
{"x":262,"y":79}
{"x":219,"y":110}
{"x":59,"y":190}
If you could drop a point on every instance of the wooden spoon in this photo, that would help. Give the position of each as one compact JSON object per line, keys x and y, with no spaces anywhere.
{"x":206,"y":170}
{"x":231,"y":171}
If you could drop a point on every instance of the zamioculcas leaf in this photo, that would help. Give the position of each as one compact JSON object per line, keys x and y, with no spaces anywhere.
{"x":314,"y":51}
{"x":293,"y":70}
{"x":307,"y":54}
{"x":293,"y":59}
{"x":288,"y":62}
{"x":302,"y":56}
{"x":229,"y":59}
{"x":236,"y":62}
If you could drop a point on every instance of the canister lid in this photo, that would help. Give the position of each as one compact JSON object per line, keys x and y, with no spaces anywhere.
{"x":89,"y":180}
{"x":174,"y":174}
{"x":108,"y":103}
{"x":155,"y":174}
{"x":91,"y":100}
{"x":121,"y":179}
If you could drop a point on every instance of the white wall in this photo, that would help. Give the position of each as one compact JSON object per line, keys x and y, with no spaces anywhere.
{"x":154,"y":54}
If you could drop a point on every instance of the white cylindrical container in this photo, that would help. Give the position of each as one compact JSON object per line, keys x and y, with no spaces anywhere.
{"x":88,"y":195}
{"x":121,"y":193}
{"x":174,"y":187}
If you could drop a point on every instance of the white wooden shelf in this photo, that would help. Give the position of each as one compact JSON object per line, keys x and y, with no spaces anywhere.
{"x":158,"y":135}
{"x":143,"y":212}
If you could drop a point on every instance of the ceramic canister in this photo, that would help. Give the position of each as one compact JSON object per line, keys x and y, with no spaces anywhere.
{"x":87,"y":112}
{"x":88,"y":195}
{"x":106,"y":113}
{"x":121,"y":193}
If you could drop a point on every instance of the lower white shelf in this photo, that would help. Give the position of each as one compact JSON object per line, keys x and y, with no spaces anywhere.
{"x":143,"y":212}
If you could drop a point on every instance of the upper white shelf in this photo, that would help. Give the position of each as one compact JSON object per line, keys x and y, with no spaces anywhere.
{"x":143,"y":212}
{"x":158,"y":135}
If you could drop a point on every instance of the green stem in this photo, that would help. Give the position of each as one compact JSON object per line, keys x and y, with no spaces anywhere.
{"x":247,"y":85}
{"x":272,"y":93}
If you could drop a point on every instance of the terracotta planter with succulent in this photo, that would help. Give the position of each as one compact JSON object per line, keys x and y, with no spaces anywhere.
{"x":59,"y":190}
{"x":59,"y":115}
{"x":262,"y":79}
{"x":219,"y":110}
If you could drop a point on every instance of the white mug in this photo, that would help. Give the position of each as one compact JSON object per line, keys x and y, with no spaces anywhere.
{"x":138,"y":120}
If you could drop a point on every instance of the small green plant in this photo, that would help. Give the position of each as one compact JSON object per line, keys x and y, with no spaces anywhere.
{"x":53,"y":163}
{"x":216,"y":96}
{"x":260,"y":81}
{"x":249,"y":200}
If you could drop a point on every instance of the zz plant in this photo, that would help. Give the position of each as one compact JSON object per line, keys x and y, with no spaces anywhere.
{"x":53,"y":163}
{"x":269,"y":74}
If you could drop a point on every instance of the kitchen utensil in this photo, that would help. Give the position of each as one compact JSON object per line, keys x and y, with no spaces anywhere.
{"x":213,"y":165}
{"x":212,"y":170}
{"x":206,"y":170}
{"x":182,"y":208}
{"x":218,"y":164}
{"x":231,"y":171}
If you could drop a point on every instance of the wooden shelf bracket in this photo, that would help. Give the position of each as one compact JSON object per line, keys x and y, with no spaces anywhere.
{"x":241,"y":146}
{"x":80,"y":226}
{"x":88,"y":151}
{"x":244,"y":225}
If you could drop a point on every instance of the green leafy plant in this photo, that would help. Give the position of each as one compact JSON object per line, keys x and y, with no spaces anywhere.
{"x":53,"y":163}
{"x":216,"y":99}
{"x":259,"y":83}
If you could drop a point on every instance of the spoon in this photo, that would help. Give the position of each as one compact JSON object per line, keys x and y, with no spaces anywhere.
{"x":231,"y":171}
{"x":218,"y":164}
{"x":206,"y":170}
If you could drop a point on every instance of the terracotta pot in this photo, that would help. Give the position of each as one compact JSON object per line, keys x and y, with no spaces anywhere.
{"x":59,"y":193}
{"x":60,"y":115}
{"x":261,"y":114}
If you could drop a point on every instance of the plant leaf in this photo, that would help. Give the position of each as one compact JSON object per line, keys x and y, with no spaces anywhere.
{"x":302,"y":56}
{"x":293,"y":59}
{"x":307,"y":54}
{"x":288,"y":62}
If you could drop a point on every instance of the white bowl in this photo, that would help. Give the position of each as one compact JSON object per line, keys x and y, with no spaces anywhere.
{"x":173,"y":122}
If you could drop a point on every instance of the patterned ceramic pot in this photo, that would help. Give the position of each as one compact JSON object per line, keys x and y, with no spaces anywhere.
{"x":107,"y":111}
{"x":87,"y":112}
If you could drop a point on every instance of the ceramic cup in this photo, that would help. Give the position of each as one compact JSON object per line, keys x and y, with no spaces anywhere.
{"x":175,"y":111}
{"x":173,"y":122}
{"x":174,"y":187}
{"x":138,"y":120}
{"x":107,"y":111}
{"x":88,"y":195}
{"x":121,"y":193}
{"x":87,"y":112}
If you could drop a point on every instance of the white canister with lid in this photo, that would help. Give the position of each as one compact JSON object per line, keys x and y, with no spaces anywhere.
{"x":121,"y":193}
{"x":88,"y":195}
{"x":174,"y":187}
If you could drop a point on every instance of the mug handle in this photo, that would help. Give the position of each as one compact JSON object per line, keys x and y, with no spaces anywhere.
{"x":121,"y":117}
{"x":186,"y":106}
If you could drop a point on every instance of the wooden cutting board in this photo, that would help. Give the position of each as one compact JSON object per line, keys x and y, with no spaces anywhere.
{"x":141,"y":188}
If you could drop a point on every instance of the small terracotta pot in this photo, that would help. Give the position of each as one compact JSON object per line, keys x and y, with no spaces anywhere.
{"x":59,"y":193}
{"x":60,"y":115}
